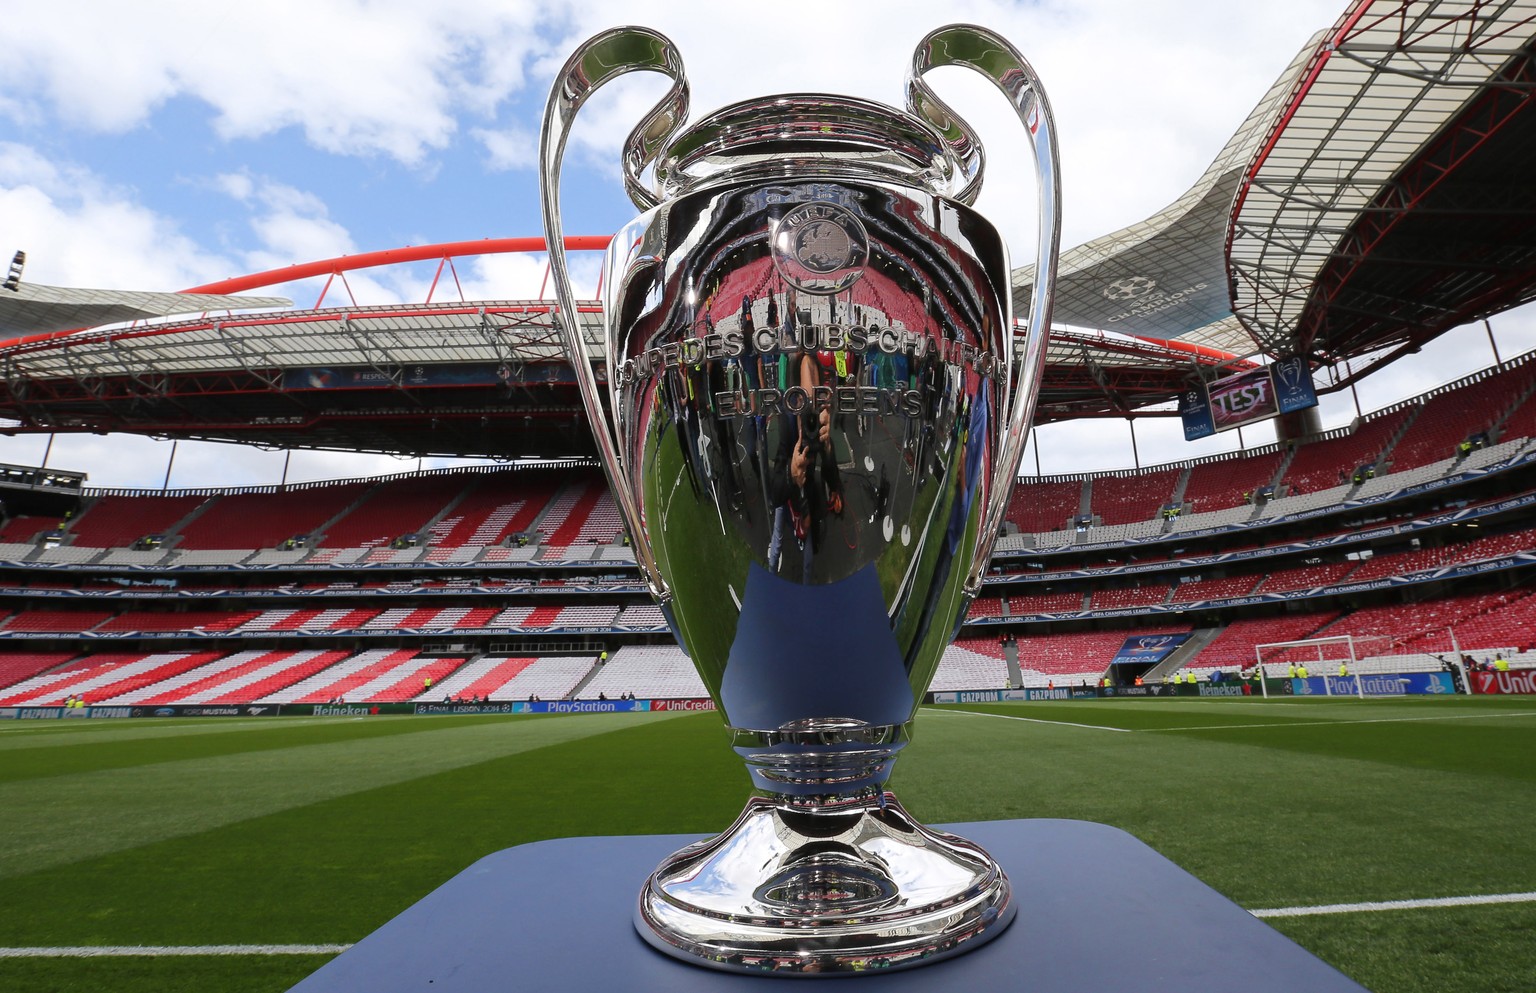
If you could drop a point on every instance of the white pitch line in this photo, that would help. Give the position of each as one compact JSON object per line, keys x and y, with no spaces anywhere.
{"x":158,"y":951}
{"x":1363,"y":720}
{"x":1361,"y":908}
{"x":1031,"y":720}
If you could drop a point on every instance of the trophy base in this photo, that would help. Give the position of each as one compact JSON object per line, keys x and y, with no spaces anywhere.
{"x":839,"y":889}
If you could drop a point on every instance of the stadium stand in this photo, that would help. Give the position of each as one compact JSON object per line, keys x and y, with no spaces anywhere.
{"x":1080,"y":656}
{"x":24,"y":529}
{"x":266,"y":520}
{"x":102,"y":678}
{"x":1234,"y":647}
{"x":1045,"y":506}
{"x":1213,"y":589}
{"x":1229,"y":482}
{"x":646,"y":671}
{"x":1048,"y":603}
{"x":1130,"y":596}
{"x":1305,"y":577}
{"x":1132,"y":498}
{"x":120,"y":521}
{"x":17,"y":666}
{"x":60,"y":621}
{"x":971,"y":664}
{"x":1332,"y":461}
{"x":359,"y":620}
{"x":351,"y":679}
{"x":389,"y":512}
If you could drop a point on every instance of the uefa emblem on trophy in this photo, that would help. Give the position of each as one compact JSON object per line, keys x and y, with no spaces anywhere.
{"x":812,"y":419}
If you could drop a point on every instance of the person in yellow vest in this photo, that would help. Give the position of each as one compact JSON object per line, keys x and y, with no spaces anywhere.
{"x":1189,"y":677}
{"x":1290,"y":670}
{"x":1500,"y":663}
{"x":1343,"y":668}
{"x":1301,"y":670}
{"x":1105,"y":683}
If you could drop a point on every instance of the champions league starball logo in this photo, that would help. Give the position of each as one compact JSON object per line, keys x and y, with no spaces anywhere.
{"x":1129,"y":288}
{"x":820,"y":248}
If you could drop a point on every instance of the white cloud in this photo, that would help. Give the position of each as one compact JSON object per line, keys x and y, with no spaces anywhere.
{"x":81,"y":230}
{"x":357,"y":77}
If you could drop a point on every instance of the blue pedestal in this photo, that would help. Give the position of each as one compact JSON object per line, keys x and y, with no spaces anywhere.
{"x":1098,"y":911}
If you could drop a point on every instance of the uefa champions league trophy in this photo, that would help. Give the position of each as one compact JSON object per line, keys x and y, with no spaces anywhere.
{"x":816,"y":419}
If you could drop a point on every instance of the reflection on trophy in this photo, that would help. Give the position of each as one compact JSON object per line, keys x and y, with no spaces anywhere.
{"x":817,"y":417}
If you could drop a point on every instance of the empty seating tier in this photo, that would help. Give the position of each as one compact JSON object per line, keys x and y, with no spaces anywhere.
{"x":1228,"y":482}
{"x":648,"y":672}
{"x":1036,"y":506}
{"x":483,"y":678}
{"x":266,"y":520}
{"x":1132,"y":498}
{"x":971,"y":664}
{"x":392,"y":509}
{"x":119,"y":521}
{"x":16,"y":666}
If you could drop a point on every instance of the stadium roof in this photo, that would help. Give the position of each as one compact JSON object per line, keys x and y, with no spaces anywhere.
{"x":1395,"y":194}
{"x":1166,"y":277}
{"x":1379,"y":194}
{"x":31,"y":309}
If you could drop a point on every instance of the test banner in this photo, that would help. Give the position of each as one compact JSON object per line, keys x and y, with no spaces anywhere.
{"x":1280,"y":388}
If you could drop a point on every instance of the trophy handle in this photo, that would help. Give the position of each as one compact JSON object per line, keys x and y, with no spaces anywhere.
{"x":605,"y":56}
{"x":990,"y":55}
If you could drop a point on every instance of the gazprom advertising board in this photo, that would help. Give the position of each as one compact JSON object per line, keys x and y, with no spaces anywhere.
{"x":1258,"y":394}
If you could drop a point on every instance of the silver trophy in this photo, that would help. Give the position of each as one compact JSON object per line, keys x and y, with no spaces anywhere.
{"x":817,"y":415}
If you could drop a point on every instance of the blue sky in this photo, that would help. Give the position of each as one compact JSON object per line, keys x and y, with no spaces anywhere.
{"x":167,"y":143}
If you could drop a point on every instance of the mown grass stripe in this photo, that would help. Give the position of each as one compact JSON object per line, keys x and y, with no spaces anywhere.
{"x":160,"y":951}
{"x":1379,"y":905}
{"x":57,"y":820}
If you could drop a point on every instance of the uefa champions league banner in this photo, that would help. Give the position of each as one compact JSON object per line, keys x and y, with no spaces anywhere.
{"x":1148,"y":649}
{"x":1376,"y":684}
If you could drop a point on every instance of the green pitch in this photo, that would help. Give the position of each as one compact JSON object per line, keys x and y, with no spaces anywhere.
{"x":316,"y":831}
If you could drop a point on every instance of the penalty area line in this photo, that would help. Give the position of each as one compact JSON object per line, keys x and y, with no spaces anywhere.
{"x":1030,"y":720}
{"x":160,"y":951}
{"x":1370,"y":907}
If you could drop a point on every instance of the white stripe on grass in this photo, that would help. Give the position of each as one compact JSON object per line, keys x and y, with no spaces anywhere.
{"x":161,"y":951}
{"x":158,"y":951}
{"x":1380,"y":905}
{"x":1031,"y":720}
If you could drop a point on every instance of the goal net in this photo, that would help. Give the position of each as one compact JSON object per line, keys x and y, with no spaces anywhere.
{"x":1339,"y":655}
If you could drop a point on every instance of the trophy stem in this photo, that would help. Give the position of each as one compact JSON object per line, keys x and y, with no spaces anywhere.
{"x":821,"y":762}
{"x":853,"y":886}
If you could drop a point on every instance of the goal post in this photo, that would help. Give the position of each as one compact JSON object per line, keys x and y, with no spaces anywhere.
{"x":1325,"y":653}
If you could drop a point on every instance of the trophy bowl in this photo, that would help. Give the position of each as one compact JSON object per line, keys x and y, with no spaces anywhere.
{"x":812,"y":418}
